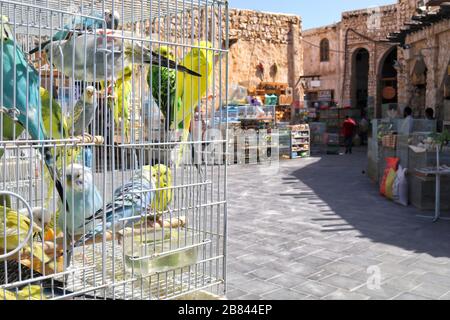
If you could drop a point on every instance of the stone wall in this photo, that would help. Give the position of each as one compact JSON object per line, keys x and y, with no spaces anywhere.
{"x":258,"y":38}
{"x":267,"y":39}
{"x":368,"y":29}
{"x":406,"y":9}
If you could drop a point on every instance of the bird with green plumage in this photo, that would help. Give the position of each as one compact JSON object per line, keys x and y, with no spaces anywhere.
{"x":162,"y":81}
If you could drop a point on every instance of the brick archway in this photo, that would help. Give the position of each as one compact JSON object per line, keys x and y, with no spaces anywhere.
{"x":387,"y":77}
{"x":443,"y":93}
{"x":446,"y":77}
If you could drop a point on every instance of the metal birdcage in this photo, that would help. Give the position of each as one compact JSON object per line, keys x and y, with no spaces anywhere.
{"x":112,"y":174}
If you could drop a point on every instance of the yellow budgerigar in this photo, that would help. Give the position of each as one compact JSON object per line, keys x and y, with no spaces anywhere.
{"x":123,"y":88}
{"x":192,"y":89}
{"x":16,"y":228}
{"x":27,"y":293}
{"x":162,"y":176}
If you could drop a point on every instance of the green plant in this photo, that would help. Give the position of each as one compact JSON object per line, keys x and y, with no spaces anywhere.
{"x":384,"y":129}
{"x":442,"y":139}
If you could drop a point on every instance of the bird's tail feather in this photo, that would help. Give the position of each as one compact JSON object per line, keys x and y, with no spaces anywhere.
{"x":85,"y":238}
{"x":40,"y":47}
{"x":159,"y":60}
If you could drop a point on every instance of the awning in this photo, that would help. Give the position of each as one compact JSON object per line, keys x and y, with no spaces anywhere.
{"x":421,"y":21}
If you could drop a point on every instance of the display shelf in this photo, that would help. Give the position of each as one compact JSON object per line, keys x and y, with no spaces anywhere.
{"x":300,"y":141}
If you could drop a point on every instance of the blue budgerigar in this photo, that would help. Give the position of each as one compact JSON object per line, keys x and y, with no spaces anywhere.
{"x":77,"y":26}
{"x":83,"y":199}
{"x":19,"y":85}
{"x":20,"y":95}
{"x":133,"y":200}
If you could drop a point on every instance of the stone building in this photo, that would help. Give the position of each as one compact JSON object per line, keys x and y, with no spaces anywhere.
{"x":425,"y":40}
{"x":362,"y":71}
{"x":322,"y":58}
{"x":354,"y":63}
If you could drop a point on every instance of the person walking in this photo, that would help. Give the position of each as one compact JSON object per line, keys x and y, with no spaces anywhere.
{"x":348,"y":129}
{"x":407,"y":126}
{"x":364,"y":130}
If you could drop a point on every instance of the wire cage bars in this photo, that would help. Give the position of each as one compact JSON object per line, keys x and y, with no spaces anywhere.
{"x":112,"y":174}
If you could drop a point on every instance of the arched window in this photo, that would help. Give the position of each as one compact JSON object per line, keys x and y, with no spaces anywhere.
{"x":324,"y":50}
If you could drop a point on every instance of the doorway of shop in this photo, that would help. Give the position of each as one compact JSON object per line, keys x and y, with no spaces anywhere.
{"x":388,"y":85}
{"x":419,"y":87}
{"x":360,"y":79}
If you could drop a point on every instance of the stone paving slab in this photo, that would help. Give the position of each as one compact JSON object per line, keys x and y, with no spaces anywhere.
{"x":313,"y":230}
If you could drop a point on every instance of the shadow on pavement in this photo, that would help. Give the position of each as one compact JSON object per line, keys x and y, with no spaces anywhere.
{"x":349,"y":202}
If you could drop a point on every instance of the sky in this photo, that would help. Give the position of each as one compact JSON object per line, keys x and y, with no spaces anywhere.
{"x":314,"y":13}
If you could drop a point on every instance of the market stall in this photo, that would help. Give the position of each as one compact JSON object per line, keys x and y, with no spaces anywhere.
{"x":261,"y":120}
{"x":410,"y":157}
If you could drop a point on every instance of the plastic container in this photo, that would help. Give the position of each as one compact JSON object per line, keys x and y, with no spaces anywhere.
{"x":150,"y":254}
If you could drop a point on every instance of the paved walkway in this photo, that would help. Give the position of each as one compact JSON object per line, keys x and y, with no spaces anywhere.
{"x":319,"y":230}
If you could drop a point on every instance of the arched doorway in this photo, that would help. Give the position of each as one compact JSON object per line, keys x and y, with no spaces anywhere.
{"x":360,"y":79}
{"x":442,"y":111}
{"x":419,"y":77}
{"x":388,"y":82}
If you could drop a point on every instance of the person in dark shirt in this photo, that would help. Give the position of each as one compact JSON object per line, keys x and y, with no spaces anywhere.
{"x":348,"y":129}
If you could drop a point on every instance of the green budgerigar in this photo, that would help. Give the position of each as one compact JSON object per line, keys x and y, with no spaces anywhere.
{"x":163,"y":83}
{"x":54,"y":122}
